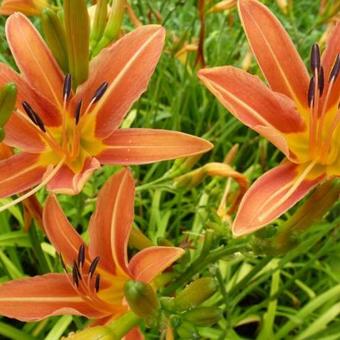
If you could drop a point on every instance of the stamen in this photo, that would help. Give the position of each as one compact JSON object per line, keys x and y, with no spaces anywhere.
{"x":97,"y":284}
{"x":33,"y":116}
{"x":81,"y":256}
{"x":76,"y":268}
{"x":335,"y":70}
{"x":315,"y":58}
{"x":93,"y":266}
{"x":75,"y":276}
{"x":100,"y":92}
{"x":67,"y":87}
{"x":321,"y":81}
{"x":36,"y":189}
{"x":77,"y":112}
{"x":311,"y":92}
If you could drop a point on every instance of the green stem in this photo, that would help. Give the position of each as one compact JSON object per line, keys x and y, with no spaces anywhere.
{"x":124,"y":324}
{"x":200,"y":264}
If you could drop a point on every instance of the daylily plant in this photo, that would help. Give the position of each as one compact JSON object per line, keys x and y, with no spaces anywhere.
{"x":28,"y":7}
{"x":94,"y":286}
{"x":298,"y":114}
{"x":64,"y":136}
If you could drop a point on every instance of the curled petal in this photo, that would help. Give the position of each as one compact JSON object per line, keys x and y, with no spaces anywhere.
{"x":127,"y":66}
{"x":111,"y":223}
{"x":272,"y":195}
{"x":39,"y":297}
{"x":28,"y":7}
{"x":142,"y":146}
{"x":255,"y":105}
{"x":34,"y":59}
{"x":274,"y":51}
{"x":20,"y":172}
{"x":70,"y":183}
{"x":150,"y":262}
{"x":60,"y":232}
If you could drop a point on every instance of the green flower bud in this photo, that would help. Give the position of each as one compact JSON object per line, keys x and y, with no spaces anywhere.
{"x":99,"y":22}
{"x":113,"y":26}
{"x":77,"y":27}
{"x":196,"y":293}
{"x":55,"y":37}
{"x":203,"y":316}
{"x":141,"y":298}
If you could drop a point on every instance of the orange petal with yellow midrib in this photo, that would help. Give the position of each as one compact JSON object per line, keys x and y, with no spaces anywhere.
{"x":142,"y":146}
{"x":274,"y":51}
{"x":19,"y":173}
{"x":39,"y":297}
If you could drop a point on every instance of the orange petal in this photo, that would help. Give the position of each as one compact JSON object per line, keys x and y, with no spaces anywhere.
{"x":274,"y":51}
{"x":255,"y":105}
{"x":142,"y":146}
{"x":34,"y":59}
{"x":150,"y":262}
{"x":39,"y":297}
{"x":28,"y":7}
{"x":19,"y":173}
{"x":70,"y":183}
{"x":111,"y":223}
{"x":20,"y":133}
{"x":328,"y":60}
{"x":258,"y":206}
{"x":127,"y":66}
{"x":134,"y":334}
{"x":60,"y":232}
{"x":46,"y":110}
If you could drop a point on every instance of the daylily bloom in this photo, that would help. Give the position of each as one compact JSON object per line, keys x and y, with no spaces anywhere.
{"x":299,"y":115}
{"x":63,"y":136}
{"x":94,"y":287}
{"x":28,"y":7}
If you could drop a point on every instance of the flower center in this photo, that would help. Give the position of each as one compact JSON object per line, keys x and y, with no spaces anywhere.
{"x":74,"y":140}
{"x":324,"y":119}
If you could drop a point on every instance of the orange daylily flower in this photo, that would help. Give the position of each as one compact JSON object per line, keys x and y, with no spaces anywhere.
{"x":64,"y":137}
{"x":299,"y":115}
{"x":28,"y":7}
{"x":94,"y":287}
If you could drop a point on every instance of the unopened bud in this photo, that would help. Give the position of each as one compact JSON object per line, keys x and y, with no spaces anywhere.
{"x":55,"y":37}
{"x":196,"y":293}
{"x":203,"y":316}
{"x":223,"y":6}
{"x":141,"y":298}
{"x":113,"y":26}
{"x":77,"y":38}
{"x":8,"y":95}
{"x":283,"y":5}
{"x":99,"y":22}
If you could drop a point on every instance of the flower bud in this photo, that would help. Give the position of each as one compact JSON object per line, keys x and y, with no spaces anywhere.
{"x":223,"y":6}
{"x":55,"y":37}
{"x":77,"y":27}
{"x":8,"y":95}
{"x":195,"y":293}
{"x":99,"y":22}
{"x":141,"y":298}
{"x":113,"y":25}
{"x":203,"y":316}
